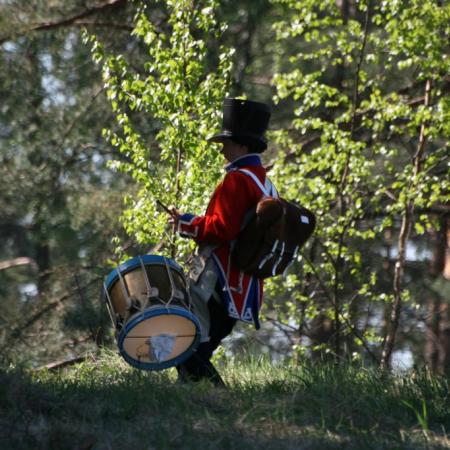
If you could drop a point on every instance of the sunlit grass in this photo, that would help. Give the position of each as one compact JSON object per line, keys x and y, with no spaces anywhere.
{"x":105,"y":404}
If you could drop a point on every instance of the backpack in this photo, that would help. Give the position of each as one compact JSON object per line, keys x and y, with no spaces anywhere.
{"x":272,"y":234}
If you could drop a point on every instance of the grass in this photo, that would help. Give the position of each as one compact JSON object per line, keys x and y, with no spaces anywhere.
{"x":104,"y":404}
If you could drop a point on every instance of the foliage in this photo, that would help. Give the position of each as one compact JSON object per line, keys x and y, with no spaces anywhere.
{"x":178,"y":91}
{"x":59,"y":204}
{"x":366,"y":147}
{"x":103,"y":403}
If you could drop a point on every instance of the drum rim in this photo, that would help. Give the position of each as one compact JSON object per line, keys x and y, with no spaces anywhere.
{"x":155,"y":311}
{"x":135,"y":262}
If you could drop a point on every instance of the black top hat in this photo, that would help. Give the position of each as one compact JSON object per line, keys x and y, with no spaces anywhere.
{"x":245,"y":122}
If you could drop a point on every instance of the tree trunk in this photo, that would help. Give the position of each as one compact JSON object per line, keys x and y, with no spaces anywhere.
{"x":42,"y":256}
{"x":433,"y":339}
{"x":444,"y":360}
{"x":322,"y":331}
{"x":444,"y":338}
{"x":444,"y":323}
{"x":407,"y":220}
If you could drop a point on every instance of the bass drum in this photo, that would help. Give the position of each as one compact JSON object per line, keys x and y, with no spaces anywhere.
{"x":149,"y":304}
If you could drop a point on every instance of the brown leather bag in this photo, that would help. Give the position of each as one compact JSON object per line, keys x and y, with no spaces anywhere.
{"x":272,"y":237}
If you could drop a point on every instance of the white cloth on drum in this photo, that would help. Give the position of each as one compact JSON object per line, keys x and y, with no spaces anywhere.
{"x":161,"y":346}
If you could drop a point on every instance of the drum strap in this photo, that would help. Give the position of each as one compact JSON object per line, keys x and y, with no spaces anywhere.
{"x":268,"y":188}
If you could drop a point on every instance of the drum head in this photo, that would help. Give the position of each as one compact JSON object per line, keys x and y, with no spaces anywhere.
{"x":160,"y":337}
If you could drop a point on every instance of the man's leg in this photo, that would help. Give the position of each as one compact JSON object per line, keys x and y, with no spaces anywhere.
{"x":199,"y":366}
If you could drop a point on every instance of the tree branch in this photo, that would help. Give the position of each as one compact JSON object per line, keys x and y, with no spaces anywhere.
{"x":63,"y":363}
{"x":19,"y":330}
{"x":95,"y":23}
{"x":69,"y":21}
{"x":407,"y":220}
{"x":22,"y":261}
{"x":313,"y":139}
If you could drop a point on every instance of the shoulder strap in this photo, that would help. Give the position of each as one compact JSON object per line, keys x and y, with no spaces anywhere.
{"x":271,"y":188}
{"x":268,"y":188}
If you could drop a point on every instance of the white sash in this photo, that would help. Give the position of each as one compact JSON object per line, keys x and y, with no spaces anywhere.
{"x":268,"y":188}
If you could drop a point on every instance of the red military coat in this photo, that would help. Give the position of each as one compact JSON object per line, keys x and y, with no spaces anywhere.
{"x":232,"y":199}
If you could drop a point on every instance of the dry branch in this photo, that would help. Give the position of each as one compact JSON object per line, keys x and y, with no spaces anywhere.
{"x":68,"y":21}
{"x":63,"y":363}
{"x":49,"y":307}
{"x":22,"y":261}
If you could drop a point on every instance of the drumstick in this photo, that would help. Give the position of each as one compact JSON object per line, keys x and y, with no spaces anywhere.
{"x":174,"y":215}
{"x":164,"y":207}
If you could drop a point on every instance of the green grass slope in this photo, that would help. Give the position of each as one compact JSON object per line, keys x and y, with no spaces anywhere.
{"x":104,"y":404}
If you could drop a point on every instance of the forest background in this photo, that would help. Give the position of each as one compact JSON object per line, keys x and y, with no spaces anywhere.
{"x":106,"y":107}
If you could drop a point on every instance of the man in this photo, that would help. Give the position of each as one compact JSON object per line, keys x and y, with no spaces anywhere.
{"x":222,"y":294}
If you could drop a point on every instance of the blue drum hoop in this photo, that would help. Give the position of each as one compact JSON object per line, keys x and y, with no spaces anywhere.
{"x":136,"y":262}
{"x":155,"y":311}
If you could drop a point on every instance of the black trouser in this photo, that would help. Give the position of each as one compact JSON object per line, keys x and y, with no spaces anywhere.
{"x":198,"y":366}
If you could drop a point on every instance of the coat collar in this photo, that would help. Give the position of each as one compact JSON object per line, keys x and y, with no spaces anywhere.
{"x":252,"y":159}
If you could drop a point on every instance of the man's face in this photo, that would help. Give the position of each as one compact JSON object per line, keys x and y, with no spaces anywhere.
{"x":232,"y":150}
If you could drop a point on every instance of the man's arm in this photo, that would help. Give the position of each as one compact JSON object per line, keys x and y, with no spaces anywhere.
{"x":222,"y":221}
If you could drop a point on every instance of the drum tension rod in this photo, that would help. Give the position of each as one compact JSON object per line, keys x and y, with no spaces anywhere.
{"x":175,"y":293}
{"x":109,"y":306}
{"x":124,"y":289}
{"x":151,"y":291}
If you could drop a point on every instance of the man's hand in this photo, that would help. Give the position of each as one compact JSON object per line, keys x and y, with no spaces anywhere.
{"x":174,"y":215}
{"x":172,"y":211}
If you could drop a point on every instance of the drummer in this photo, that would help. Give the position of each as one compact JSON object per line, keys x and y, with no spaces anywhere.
{"x":221,"y":294}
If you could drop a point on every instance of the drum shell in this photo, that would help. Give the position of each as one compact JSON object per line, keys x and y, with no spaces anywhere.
{"x":135,"y":287}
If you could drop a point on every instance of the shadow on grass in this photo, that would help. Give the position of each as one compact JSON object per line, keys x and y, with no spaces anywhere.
{"x":105,"y":405}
